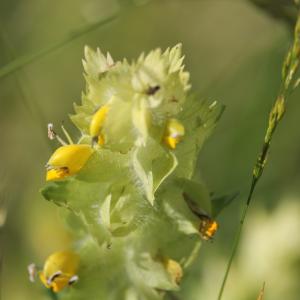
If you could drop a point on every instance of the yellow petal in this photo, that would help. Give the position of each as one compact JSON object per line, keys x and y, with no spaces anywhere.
{"x":98,"y":121}
{"x":65,"y":261}
{"x":68,"y":160}
{"x":58,"y":269}
{"x":173,"y":133}
{"x":174,"y":269}
{"x":171,"y":142}
{"x":44,"y":280}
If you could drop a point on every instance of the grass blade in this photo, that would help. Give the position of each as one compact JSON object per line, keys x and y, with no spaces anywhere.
{"x":27,"y":59}
{"x":33,"y":108}
{"x":289,"y":83}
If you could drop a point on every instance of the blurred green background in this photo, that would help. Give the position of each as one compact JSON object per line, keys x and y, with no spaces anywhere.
{"x":234,"y":51}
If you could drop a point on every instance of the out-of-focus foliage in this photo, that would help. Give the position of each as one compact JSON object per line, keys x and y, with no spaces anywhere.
{"x":279,"y":9}
{"x":234,"y":52}
{"x":261,"y":231}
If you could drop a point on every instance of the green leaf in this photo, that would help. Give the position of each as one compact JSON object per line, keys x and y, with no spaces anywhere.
{"x":141,"y":119}
{"x":55,"y":191}
{"x":148,"y":272}
{"x":199,"y":119}
{"x":152,"y":164}
{"x":106,"y":166}
{"x":178,"y":211}
{"x":75,"y":194}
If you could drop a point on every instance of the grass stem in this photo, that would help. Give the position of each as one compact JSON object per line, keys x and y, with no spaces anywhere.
{"x":288,"y":84}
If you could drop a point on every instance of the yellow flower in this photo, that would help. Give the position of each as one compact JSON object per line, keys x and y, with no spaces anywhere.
{"x":67,"y":160}
{"x":97,"y":124}
{"x":173,"y":133}
{"x":60,"y":270}
{"x":174,"y":269}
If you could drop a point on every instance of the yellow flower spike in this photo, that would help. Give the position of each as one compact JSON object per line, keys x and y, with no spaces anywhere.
{"x":60,"y":270}
{"x":208,"y":227}
{"x":174,"y":269}
{"x":68,"y":160}
{"x":96,"y":124}
{"x":173,"y":133}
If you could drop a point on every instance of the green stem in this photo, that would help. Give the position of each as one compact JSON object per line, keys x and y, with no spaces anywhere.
{"x":27,"y":59}
{"x":237,"y":237}
{"x":289,"y":70}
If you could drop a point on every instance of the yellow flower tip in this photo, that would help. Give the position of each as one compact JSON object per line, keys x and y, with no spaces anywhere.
{"x":68,"y":160}
{"x":97,"y":122}
{"x":171,"y":142}
{"x":174,"y":133}
{"x":174,"y":269}
{"x":208,"y":228}
{"x":60,"y":270}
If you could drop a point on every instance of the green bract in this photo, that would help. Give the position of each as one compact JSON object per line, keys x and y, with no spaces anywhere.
{"x":127,"y":204}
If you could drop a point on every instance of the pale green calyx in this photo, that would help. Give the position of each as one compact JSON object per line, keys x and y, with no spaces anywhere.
{"x":133,"y":204}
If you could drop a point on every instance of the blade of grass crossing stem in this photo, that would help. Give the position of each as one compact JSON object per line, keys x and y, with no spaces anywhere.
{"x":27,"y":59}
{"x":34,"y":109}
{"x":289,"y":83}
